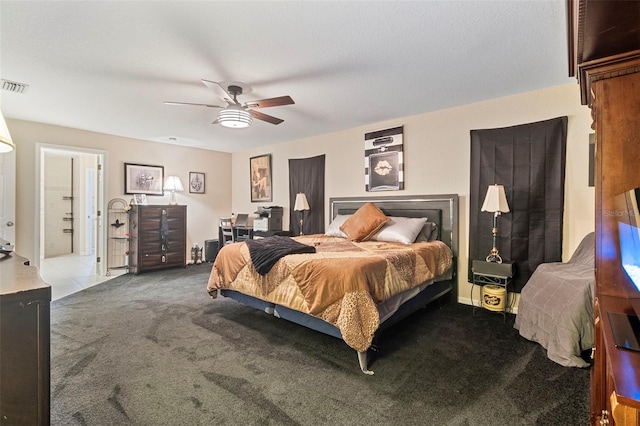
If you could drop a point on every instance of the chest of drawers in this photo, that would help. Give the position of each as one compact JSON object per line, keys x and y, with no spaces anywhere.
{"x":157,"y":237}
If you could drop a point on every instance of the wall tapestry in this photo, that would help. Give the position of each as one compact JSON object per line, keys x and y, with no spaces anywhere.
{"x":383,"y":160}
{"x":529,"y":160}
{"x":307,"y":175}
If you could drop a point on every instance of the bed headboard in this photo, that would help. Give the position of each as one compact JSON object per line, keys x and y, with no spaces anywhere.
{"x":441,"y":209}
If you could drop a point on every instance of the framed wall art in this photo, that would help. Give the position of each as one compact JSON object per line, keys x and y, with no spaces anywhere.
{"x":196,"y":182}
{"x":260,"y":170}
{"x":140,"y":199}
{"x":143,"y":179}
{"x":384,"y":160}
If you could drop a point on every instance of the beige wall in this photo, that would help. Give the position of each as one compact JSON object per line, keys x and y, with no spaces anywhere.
{"x":203,"y":209}
{"x":437,"y":158}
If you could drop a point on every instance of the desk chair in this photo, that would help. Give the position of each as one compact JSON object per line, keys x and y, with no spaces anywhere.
{"x":240,"y":229}
{"x":226,"y":232}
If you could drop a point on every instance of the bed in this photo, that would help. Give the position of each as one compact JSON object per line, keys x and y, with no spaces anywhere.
{"x":350,"y":287}
{"x":556,"y":306}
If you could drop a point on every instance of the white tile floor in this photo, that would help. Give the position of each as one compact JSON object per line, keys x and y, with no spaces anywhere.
{"x":69,"y":274}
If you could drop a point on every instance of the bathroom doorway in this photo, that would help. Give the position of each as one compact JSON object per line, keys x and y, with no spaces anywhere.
{"x":70,"y":201}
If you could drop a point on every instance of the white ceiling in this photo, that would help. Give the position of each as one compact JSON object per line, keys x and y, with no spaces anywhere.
{"x":109,"y":66}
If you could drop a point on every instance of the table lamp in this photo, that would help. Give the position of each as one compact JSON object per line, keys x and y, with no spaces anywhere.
{"x":301,"y":205}
{"x":496,"y":202}
{"x":173,"y":184}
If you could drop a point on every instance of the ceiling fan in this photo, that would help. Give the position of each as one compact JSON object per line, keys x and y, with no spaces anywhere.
{"x":236,"y":115}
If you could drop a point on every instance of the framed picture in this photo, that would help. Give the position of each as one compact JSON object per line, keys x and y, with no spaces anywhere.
{"x":384,"y":160}
{"x":140,"y":199}
{"x":196,"y":182}
{"x":143,"y":179}
{"x":260,"y":169}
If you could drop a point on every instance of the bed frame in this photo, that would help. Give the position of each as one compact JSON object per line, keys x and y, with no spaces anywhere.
{"x":441,"y":209}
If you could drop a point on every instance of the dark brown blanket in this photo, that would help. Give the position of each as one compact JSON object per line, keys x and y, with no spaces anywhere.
{"x":266,"y":252}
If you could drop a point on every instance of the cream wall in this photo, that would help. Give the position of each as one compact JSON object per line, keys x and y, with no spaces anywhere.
{"x":203,"y":210}
{"x":437,"y":158}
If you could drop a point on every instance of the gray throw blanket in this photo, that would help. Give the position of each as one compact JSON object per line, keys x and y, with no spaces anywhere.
{"x":556,"y":306}
{"x":266,"y":252}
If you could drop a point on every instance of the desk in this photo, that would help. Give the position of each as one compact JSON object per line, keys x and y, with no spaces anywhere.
{"x":240,"y":233}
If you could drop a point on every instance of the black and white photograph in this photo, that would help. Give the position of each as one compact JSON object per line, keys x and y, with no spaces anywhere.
{"x":384,"y":160}
{"x":196,"y":182}
{"x":143,"y":179}
{"x":140,"y":199}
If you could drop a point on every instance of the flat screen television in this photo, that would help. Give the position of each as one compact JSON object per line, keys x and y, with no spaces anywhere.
{"x":629,"y":234}
{"x":626,"y":328}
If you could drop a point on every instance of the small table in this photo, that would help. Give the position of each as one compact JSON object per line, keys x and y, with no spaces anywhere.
{"x":492,"y":273}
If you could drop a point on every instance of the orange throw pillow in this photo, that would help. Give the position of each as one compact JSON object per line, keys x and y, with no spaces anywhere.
{"x":364,"y":223}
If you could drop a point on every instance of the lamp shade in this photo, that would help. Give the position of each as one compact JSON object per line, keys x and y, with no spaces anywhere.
{"x":6,"y":143}
{"x":173,"y":184}
{"x":495,"y":200}
{"x":301,"y":202}
{"x":235,"y":117}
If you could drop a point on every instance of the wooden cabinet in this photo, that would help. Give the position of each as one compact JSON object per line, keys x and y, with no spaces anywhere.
{"x":615,"y":89}
{"x":604,"y":52}
{"x":24,"y":344}
{"x":157,"y":237}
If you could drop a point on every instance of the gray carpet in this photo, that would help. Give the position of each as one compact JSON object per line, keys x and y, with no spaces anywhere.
{"x":154,"y":349}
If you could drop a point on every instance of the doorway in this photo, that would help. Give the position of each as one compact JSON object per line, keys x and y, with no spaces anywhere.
{"x":70,"y":194}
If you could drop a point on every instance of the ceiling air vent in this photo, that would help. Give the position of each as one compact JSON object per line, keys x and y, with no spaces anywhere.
{"x":13,"y":86}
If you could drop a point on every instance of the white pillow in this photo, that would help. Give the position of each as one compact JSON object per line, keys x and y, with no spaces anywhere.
{"x":400,"y":230}
{"x":334,"y":226}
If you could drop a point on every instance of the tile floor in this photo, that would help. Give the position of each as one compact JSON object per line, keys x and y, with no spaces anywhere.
{"x":69,"y":274}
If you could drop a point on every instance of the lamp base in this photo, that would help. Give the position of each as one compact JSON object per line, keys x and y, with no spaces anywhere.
{"x":173,"y":201}
{"x":494,"y":256}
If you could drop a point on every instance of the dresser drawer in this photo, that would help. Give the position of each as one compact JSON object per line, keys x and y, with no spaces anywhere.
{"x":155,"y":235}
{"x":161,"y":260}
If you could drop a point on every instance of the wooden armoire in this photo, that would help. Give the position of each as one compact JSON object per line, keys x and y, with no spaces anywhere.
{"x":604,"y":55}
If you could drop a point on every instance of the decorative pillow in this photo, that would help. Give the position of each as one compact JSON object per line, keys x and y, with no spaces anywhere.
{"x":334,"y":226}
{"x":429,"y":232}
{"x":365,"y":222}
{"x":401,"y":230}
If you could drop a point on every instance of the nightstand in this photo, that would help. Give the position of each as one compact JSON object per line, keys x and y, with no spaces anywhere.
{"x":493,"y":279}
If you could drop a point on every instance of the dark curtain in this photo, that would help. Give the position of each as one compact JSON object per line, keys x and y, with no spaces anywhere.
{"x":529,"y":160}
{"x":307,"y":175}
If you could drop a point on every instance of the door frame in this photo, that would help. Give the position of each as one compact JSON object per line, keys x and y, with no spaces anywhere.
{"x":101,"y":191}
{"x":8,"y":194}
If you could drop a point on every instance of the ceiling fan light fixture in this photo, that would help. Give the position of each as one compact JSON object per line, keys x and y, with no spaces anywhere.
{"x":235,"y":117}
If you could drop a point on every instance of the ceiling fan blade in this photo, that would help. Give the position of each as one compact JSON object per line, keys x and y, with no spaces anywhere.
{"x":192,"y":104}
{"x":264,"y":117}
{"x":220,"y":91}
{"x":270,"y":102}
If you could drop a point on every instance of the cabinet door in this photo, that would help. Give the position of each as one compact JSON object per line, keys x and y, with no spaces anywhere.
{"x":599,"y":370}
{"x":24,"y":355}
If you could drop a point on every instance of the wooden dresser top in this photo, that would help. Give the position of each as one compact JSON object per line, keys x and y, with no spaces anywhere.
{"x":16,"y":277}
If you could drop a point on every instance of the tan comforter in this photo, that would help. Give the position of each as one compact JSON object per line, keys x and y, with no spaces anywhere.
{"x":341,"y":283}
